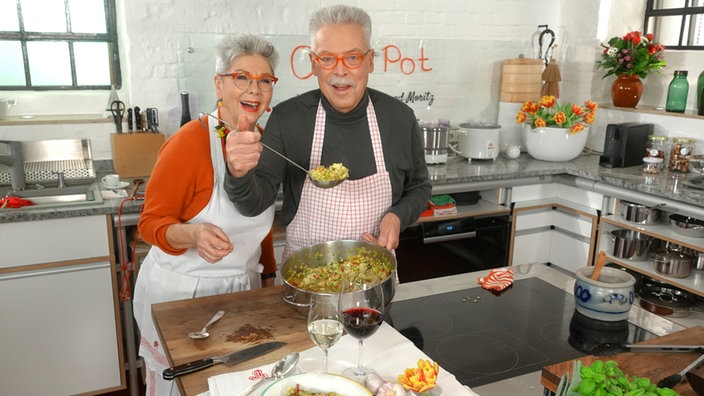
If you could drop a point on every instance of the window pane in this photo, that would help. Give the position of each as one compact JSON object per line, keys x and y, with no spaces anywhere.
{"x":665,"y":4}
{"x":49,"y":63}
{"x":92,"y":63}
{"x":44,"y":15}
{"x":667,"y":29}
{"x":12,"y":66}
{"x":87,"y":16}
{"x":8,"y":16}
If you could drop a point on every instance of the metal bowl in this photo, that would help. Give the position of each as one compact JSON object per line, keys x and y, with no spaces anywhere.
{"x":687,"y":226}
{"x":325,"y":253}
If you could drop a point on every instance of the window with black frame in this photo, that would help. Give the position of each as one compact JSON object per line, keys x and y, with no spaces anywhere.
{"x":677,"y":24}
{"x":58,"y":45}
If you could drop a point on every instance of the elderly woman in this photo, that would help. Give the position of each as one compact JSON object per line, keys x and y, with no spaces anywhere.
{"x":201,"y":244}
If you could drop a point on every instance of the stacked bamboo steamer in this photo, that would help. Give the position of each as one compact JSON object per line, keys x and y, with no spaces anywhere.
{"x":521,"y":80}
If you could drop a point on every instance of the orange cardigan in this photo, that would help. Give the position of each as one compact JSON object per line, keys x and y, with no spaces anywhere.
{"x":180,"y":186}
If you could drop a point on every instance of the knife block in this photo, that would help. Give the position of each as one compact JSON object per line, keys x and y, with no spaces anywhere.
{"x":134,"y":154}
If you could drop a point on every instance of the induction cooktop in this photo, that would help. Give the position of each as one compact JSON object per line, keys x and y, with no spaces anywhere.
{"x":482,"y":338}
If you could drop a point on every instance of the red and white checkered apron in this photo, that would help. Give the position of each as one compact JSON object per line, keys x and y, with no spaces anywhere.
{"x":347,"y":210}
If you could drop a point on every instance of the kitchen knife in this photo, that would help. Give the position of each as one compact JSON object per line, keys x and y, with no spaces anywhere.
{"x":137,"y":119}
{"x":229,"y":359}
{"x":129,"y":120}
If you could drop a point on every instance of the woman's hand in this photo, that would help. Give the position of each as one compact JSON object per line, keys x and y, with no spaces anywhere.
{"x":210,"y":240}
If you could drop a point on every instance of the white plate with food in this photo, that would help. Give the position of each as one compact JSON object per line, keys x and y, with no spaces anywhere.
{"x":317,"y":382}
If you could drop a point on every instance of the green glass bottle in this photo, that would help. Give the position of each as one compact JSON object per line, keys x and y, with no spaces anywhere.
{"x":677,"y":92}
{"x":700,"y":87}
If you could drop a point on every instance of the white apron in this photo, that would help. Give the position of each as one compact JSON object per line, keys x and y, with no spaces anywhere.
{"x":164,"y":277}
{"x":347,"y":210}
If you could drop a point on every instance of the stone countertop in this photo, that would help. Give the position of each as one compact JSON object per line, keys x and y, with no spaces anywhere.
{"x":457,"y":175}
{"x":560,"y":278}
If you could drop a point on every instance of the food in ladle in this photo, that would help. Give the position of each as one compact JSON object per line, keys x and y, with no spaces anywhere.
{"x":334,"y":172}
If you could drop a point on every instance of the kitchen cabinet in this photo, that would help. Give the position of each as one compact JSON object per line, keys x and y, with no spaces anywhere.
{"x":58,"y":296}
{"x":694,"y":283}
{"x":553,"y":223}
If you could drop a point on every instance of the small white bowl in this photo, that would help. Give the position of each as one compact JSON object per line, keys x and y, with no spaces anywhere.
{"x":553,"y":144}
{"x":608,"y":298}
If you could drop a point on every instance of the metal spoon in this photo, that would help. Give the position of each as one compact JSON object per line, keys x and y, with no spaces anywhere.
{"x":204,"y":333}
{"x":281,"y":369}
{"x":316,"y":182}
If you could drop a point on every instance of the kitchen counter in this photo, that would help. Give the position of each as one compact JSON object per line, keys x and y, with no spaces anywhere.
{"x":459,"y":175}
{"x":174,"y":319}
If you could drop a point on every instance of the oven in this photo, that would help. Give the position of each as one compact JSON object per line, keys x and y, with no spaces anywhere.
{"x":476,"y":238}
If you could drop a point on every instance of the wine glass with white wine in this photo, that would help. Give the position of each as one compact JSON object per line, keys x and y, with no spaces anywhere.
{"x":324,"y":324}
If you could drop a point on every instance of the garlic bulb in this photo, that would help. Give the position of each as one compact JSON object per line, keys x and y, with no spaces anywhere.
{"x":373,"y":382}
{"x":391,"y":389}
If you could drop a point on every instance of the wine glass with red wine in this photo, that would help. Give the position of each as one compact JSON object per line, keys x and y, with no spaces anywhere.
{"x":362,"y":311}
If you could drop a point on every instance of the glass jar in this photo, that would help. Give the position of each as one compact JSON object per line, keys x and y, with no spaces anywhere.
{"x":652,"y":165}
{"x":700,"y":88}
{"x":677,"y":92}
{"x":657,"y":146}
{"x":682,"y":149}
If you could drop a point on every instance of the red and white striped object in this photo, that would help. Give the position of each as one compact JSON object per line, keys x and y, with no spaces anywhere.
{"x":498,"y":279}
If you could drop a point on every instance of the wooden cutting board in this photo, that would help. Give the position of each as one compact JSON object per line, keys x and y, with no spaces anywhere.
{"x":251,"y":318}
{"x":654,"y":365}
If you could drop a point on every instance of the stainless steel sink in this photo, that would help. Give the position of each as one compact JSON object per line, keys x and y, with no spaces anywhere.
{"x":85,"y":194}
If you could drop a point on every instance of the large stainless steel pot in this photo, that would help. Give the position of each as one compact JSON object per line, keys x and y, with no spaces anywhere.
{"x":675,"y":264}
{"x":640,"y":214}
{"x":629,"y":244}
{"x":324,"y":253}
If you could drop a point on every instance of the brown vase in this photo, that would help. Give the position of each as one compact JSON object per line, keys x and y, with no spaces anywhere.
{"x":626,"y":90}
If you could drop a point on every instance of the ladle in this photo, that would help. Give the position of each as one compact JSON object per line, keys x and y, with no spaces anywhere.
{"x":317,"y":183}
{"x":281,"y":369}
{"x":204,"y":333}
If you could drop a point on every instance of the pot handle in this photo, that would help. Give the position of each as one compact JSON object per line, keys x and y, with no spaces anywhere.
{"x":289,"y":299}
{"x":616,"y":297}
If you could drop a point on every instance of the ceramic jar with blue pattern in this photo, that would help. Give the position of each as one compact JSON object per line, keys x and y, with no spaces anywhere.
{"x":609,"y":298}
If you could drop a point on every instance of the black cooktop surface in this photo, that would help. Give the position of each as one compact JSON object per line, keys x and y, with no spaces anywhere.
{"x":482,"y":338}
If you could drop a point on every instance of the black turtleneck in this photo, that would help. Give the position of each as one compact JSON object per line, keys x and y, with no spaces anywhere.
{"x":290,"y":131}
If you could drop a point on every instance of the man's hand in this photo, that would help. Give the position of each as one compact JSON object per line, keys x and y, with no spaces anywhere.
{"x":242,"y":149}
{"x":389,"y":231}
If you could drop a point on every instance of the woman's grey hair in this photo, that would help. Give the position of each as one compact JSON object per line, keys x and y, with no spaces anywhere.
{"x":232,"y":47}
{"x":341,"y":14}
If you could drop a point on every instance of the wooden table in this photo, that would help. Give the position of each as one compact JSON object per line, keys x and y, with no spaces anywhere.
{"x":260,"y":313}
{"x":654,"y":365}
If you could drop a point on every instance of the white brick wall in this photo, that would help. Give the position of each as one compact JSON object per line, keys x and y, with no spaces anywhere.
{"x":151,"y":32}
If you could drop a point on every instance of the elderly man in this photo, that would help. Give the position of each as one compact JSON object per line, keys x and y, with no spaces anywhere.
{"x":373,"y":134}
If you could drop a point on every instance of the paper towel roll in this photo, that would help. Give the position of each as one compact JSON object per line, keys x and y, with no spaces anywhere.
{"x":510,"y":131}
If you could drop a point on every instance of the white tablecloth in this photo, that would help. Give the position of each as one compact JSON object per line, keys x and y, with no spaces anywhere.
{"x":387,"y":352}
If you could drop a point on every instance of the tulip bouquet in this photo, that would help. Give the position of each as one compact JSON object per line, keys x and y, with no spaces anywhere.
{"x":548,"y":113}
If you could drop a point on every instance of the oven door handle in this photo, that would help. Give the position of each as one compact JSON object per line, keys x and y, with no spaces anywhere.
{"x":450,"y":237}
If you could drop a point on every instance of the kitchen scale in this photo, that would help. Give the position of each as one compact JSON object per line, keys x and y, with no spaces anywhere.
{"x":483,"y":338}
